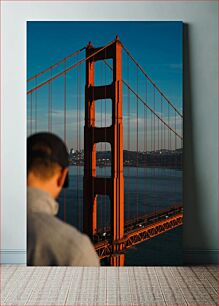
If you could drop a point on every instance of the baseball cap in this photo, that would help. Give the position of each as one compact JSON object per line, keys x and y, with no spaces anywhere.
{"x":47,"y":146}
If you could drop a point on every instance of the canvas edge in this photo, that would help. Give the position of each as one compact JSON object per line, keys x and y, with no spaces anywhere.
{"x":190,"y":257}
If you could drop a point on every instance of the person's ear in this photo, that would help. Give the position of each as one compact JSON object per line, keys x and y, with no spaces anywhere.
{"x":62,"y":176}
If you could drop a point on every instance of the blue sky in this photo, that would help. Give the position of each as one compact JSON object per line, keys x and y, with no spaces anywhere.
{"x":157,"y":46}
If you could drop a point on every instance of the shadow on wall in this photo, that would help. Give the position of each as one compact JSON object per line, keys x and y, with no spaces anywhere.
{"x":193,"y":229}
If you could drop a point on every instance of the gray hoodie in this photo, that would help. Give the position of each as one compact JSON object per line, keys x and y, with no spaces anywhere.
{"x":50,"y":241}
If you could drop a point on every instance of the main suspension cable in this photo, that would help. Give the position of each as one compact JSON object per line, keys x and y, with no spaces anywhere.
{"x":69,"y":68}
{"x":145,"y":103}
{"x":152,"y":82}
{"x":55,"y":65}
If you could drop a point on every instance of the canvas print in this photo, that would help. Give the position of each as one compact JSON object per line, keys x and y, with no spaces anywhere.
{"x":104,"y":143}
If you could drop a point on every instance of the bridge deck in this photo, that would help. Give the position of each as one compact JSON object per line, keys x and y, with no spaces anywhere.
{"x":137,"y":231}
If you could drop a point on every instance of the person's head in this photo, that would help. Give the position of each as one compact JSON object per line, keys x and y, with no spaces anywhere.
{"x":47,"y":163}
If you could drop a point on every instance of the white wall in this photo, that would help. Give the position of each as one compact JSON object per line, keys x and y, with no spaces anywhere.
{"x":200,"y":111}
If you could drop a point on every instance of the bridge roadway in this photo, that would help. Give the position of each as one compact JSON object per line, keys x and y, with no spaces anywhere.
{"x":139,"y":230}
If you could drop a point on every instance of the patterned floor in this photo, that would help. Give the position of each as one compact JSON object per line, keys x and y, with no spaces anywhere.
{"x":22,"y":285}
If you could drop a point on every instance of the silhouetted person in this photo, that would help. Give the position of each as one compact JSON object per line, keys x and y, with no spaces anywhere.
{"x":50,"y":241}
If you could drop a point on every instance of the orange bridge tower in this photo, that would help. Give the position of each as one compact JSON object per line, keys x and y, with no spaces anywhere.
{"x":111,"y":186}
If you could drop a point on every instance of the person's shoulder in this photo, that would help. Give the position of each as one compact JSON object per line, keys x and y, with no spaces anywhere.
{"x":73,"y":236}
{"x":53,"y":225}
{"x":65,"y":237}
{"x":78,"y":244}
{"x":68,"y":232}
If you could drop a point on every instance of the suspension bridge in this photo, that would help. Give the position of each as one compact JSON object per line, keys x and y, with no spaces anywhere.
{"x":124,"y":132}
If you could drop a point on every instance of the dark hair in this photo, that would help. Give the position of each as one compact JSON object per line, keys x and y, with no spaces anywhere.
{"x":46,"y":153}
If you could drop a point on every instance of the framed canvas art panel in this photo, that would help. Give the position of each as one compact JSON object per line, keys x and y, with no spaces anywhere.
{"x":112,"y":91}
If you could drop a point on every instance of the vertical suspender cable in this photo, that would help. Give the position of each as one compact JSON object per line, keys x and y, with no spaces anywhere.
{"x":137,"y":148}
{"x":159,"y":145}
{"x":65,"y":140}
{"x":168,"y":129}
{"x":158,"y":148}
{"x":176,"y":155}
{"x":128,"y":153}
{"x":175,"y":134}
{"x":74,"y":217}
{"x":51,"y":102}
{"x":77,"y":150}
{"x":164,"y":141}
{"x":36,"y":107}
{"x":31,"y":113}
{"x":101,"y":149}
{"x":79,"y":142}
{"x":161,"y":132}
{"x":105,"y":208}
{"x":169,"y":142}
{"x":151,"y":156}
{"x":154,"y":127}
{"x":49,"y":98}
{"x":154,"y":148}
{"x":65,"y":88}
{"x":145,"y":143}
